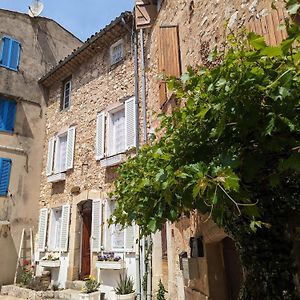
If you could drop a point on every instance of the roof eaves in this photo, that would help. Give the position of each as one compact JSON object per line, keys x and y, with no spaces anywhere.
{"x":84,"y":46}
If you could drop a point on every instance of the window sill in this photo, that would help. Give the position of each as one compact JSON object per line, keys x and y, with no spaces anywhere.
{"x":56,"y":177}
{"x":112,"y":160}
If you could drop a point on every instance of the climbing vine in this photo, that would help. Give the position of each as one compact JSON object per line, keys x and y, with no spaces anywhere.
{"x":230,"y":150}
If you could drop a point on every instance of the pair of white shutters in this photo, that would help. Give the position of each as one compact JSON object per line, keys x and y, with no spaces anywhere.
{"x":69,"y":151}
{"x":64,"y":230}
{"x":130,"y":129}
{"x":114,"y":238}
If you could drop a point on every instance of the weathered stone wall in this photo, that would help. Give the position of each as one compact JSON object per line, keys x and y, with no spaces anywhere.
{"x":95,"y":86}
{"x":201,"y":27}
{"x":43,"y":44}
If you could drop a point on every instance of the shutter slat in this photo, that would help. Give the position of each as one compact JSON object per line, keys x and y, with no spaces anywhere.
{"x":130,"y":119}
{"x":70,"y":148}
{"x":96,"y":225}
{"x":15,"y":55}
{"x":49,"y":167}
{"x":168,"y":56}
{"x":64,"y":231}
{"x":100,"y":135}
{"x":43,"y":220}
{"x":5,"y":166}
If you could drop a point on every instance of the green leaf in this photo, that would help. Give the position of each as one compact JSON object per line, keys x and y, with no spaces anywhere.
{"x":256,"y":41}
{"x":152,"y":225}
{"x":293,"y":8}
{"x":272,"y":51}
{"x":292,"y":163}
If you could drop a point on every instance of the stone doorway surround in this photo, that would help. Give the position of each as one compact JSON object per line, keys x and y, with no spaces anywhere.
{"x":75,"y":235}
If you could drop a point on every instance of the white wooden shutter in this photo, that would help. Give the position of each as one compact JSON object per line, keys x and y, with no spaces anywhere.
{"x":64,"y":230}
{"x":43,"y":220}
{"x":49,"y":167}
{"x":110,"y":135}
{"x":129,"y":238}
{"x":70,"y":148}
{"x":107,"y":229}
{"x":117,"y":237}
{"x":100,"y":135}
{"x":96,"y":225}
{"x":130,"y":126}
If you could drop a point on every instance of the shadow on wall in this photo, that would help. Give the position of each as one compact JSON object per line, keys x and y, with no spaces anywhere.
{"x":8,"y":256}
{"x":22,"y":126}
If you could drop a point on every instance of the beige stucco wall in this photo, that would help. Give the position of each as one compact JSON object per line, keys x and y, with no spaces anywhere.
{"x":96,"y":85}
{"x":43,"y":44}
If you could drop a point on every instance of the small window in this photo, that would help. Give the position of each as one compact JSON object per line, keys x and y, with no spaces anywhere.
{"x":5,"y":166}
{"x":66,"y":97}
{"x":7,"y":115}
{"x":10,"y":53}
{"x":55,"y":229}
{"x":116,"y":52}
{"x":117,"y":131}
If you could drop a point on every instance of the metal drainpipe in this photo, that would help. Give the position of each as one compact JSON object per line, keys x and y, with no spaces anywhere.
{"x":143,"y":86}
{"x":136,"y":91}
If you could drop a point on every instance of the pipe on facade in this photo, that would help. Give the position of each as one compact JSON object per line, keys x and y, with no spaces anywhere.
{"x":136,"y":93}
{"x":136,"y":90}
{"x":143,"y":90}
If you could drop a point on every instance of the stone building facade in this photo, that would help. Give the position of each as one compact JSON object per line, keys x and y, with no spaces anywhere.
{"x":180,"y":34}
{"x":90,"y":128}
{"x":29,"y":48}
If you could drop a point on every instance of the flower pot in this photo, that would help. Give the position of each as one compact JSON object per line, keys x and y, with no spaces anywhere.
{"x":49,"y":263}
{"x":126,"y":297}
{"x":91,"y":296}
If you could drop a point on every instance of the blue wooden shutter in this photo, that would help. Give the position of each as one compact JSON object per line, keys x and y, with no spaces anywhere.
{"x":5,"y":53}
{"x":14,"y":55}
{"x":2,"y":114}
{"x":10,"y":54}
{"x":5,"y":165}
{"x":11,"y":115}
{"x":7,"y":114}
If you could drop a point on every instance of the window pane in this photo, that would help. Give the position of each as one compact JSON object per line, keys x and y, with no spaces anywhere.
{"x":117,"y":53}
{"x":60,"y":157}
{"x":118,"y":119}
{"x":67,"y":91}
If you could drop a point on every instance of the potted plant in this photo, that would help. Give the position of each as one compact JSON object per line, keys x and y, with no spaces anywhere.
{"x":90,"y":290}
{"x":124,"y":289}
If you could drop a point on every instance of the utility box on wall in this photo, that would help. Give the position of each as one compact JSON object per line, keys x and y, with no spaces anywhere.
{"x":190,"y":268}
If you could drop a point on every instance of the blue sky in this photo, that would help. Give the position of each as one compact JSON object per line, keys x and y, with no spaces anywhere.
{"x":82,"y":17}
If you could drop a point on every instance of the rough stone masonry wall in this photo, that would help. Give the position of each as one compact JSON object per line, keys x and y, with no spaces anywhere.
{"x":201,"y":28}
{"x":95,"y":86}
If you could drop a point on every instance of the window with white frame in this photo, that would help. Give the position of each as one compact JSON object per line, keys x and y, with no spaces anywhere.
{"x":58,"y":230}
{"x":66,"y":96}
{"x":61,"y":152}
{"x":116,"y":52}
{"x":116,"y":238}
{"x":55,"y":229}
{"x":116,"y":127}
{"x":116,"y":130}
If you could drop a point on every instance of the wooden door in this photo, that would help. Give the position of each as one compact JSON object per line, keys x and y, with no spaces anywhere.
{"x":85,"y":244}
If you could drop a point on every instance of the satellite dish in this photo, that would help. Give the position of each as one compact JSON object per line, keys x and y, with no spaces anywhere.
{"x":35,"y":8}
